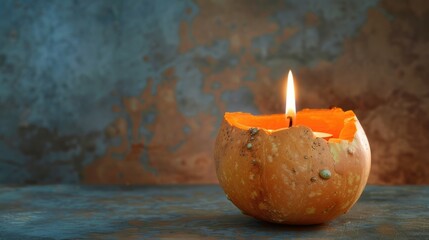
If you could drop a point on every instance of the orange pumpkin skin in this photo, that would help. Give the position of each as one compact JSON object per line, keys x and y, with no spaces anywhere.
{"x":274,"y":175}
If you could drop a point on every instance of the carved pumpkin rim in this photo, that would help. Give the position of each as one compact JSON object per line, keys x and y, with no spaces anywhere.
{"x":341,"y":124}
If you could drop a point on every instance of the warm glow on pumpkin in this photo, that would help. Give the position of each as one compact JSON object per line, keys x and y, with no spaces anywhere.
{"x":288,"y":174}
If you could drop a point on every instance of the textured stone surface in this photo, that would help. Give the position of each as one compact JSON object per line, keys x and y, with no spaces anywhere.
{"x":194,"y":212}
{"x":133,"y":92}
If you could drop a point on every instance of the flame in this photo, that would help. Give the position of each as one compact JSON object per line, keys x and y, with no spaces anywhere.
{"x":290,"y":110}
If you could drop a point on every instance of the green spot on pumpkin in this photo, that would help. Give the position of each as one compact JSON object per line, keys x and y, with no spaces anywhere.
{"x":325,"y":174}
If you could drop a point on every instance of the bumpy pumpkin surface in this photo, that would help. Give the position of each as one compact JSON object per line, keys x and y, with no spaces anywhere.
{"x":287,"y":175}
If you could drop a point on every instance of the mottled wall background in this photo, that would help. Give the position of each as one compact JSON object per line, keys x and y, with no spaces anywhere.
{"x":133,"y":92}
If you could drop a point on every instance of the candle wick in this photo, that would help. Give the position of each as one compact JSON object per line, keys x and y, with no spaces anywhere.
{"x":290,"y":121}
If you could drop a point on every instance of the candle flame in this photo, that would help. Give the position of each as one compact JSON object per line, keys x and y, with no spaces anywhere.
{"x":290,"y":110}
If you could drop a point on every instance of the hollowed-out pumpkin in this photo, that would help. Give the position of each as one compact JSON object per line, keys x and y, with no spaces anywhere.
{"x":287,"y":175}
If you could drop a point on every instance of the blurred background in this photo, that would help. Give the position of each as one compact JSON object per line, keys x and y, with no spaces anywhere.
{"x":133,"y":92}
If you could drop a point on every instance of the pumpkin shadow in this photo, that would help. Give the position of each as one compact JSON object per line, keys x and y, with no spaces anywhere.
{"x":244,"y":224}
{"x":267,"y":226}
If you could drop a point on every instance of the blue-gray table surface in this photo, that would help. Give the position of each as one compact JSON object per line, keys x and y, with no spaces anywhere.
{"x":193,"y":212}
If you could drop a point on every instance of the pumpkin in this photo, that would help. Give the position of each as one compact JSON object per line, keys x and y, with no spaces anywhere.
{"x":287,"y":175}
